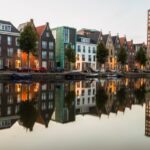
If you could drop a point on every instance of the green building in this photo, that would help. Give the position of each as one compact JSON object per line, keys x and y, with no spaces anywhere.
{"x":63,"y":36}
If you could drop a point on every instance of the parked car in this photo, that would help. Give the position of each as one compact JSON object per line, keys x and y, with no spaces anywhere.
{"x":41,"y":69}
{"x":24,"y":69}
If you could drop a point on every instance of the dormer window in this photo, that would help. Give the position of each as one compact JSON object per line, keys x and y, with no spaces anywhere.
{"x":47,"y":34}
{"x":5,"y":27}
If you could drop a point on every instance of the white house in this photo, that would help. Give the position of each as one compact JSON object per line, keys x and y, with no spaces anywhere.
{"x":85,"y":53}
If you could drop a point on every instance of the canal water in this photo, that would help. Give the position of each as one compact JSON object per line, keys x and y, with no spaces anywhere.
{"x":84,"y":115}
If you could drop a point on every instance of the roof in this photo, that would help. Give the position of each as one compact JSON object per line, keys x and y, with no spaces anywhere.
{"x":122,"y":40}
{"x":105,"y":37}
{"x":114,"y":39}
{"x":13,"y":28}
{"x":85,"y":36}
{"x":40,"y":30}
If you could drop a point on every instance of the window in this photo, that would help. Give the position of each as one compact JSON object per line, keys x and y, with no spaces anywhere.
{"x":9,"y":52}
{"x":89,"y":92}
{"x":79,"y":48}
{"x":78,"y":101}
{"x":89,"y":49}
{"x":44,"y":55}
{"x":83,"y":101}
{"x":0,"y":51}
{"x":84,"y":49}
{"x":66,"y":35}
{"x":8,"y":110}
{"x":1,"y":64}
{"x":83,"y":92}
{"x":44,"y":44}
{"x":51,"y":55}
{"x":89,"y":58}
{"x":78,"y":57}
{"x":94,"y":51}
{"x":111,"y":59}
{"x":51,"y":95}
{"x":5,"y":27}
{"x":17,"y":43}
{"x":44,"y":87}
{"x":9,"y":40}
{"x":43,"y":96}
{"x":47,"y":34}
{"x":94,"y":58}
{"x":51,"y":45}
{"x":83,"y":57}
{"x":44,"y":64}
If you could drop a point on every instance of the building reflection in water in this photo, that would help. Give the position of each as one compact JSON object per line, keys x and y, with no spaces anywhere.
{"x":30,"y":103}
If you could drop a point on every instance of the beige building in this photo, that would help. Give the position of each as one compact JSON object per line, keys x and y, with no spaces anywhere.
{"x":108,"y":42}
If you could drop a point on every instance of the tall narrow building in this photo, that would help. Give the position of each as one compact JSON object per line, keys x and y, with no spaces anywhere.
{"x":148,"y":39}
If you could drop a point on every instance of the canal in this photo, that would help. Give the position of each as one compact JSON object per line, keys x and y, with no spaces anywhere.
{"x":95,"y":114}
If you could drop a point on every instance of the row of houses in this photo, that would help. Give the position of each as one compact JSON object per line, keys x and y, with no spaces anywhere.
{"x":53,"y":42}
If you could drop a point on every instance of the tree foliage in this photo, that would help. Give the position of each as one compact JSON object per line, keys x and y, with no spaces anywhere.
{"x":141,"y":57}
{"x":102,"y":53}
{"x":70,"y":54}
{"x":28,"y":40}
{"x":122,"y":56}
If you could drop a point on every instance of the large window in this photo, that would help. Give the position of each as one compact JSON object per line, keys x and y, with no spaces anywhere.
{"x":89,"y":58}
{"x":51,"y":45}
{"x":94,"y":50}
{"x":44,"y":55}
{"x":9,"y":52}
{"x":66,"y":35}
{"x":9,"y":40}
{"x":44,"y":44}
{"x":51,"y":55}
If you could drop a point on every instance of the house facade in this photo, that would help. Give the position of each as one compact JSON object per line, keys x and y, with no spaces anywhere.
{"x":46,"y":47}
{"x":85,"y":53}
{"x":63,"y":36}
{"x":117,"y":46}
{"x":124,"y":44}
{"x":131,"y":55}
{"x":22,"y":57}
{"x":8,"y":45}
{"x":108,"y":42}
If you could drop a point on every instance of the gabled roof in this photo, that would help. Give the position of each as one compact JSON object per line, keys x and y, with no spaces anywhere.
{"x":122,"y":41}
{"x":40,"y":30}
{"x":105,"y":37}
{"x":114,"y":39}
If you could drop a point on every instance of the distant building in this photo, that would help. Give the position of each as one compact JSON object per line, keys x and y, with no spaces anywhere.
{"x":8,"y":44}
{"x":85,"y":53}
{"x":63,"y":36}
{"x":148,"y":39}
{"x":111,"y":60}
{"x":46,"y":47}
{"x":131,"y":55}
{"x":85,"y":96}
{"x":117,"y":46}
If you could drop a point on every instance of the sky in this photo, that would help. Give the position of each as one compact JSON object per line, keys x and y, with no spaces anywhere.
{"x":123,"y":17}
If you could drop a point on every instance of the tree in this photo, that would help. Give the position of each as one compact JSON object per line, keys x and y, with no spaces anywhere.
{"x":122,"y":57}
{"x":28,"y":114}
{"x":141,"y":57}
{"x":28,"y":41}
{"x":101,"y":54}
{"x":70,"y":54}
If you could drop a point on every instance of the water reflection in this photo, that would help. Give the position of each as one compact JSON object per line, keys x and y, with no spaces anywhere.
{"x":30,"y":103}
